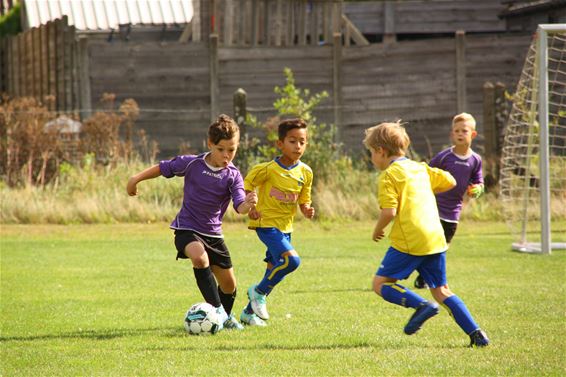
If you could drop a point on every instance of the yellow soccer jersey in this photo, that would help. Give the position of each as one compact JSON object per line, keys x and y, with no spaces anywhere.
{"x":279,"y":190}
{"x":409,"y":187}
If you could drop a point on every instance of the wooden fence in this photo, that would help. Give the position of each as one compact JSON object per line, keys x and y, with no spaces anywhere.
{"x":180,"y":87}
{"x":43,"y":62}
{"x":273,"y":22}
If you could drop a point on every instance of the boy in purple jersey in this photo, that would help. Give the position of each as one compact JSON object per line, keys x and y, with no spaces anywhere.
{"x":211,"y":181}
{"x":466,"y":166}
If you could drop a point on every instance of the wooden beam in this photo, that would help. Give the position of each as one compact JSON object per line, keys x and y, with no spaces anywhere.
{"x":214,"y":79}
{"x":337,"y":81}
{"x":353,"y":31}
{"x":187,"y":32}
{"x":84,"y":78}
{"x":389,"y":22}
{"x":461,"y":71}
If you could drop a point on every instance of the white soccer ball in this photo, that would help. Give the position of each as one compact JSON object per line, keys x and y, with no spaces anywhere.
{"x":202,"y":319}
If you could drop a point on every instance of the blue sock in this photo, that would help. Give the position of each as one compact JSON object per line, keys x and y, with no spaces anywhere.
{"x":460,"y":313}
{"x":283,"y":267}
{"x":399,"y":295}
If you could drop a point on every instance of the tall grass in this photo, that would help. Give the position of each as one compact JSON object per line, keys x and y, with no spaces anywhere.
{"x":96,"y":194}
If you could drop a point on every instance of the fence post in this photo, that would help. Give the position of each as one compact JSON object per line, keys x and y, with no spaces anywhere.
{"x":389,"y":22}
{"x":214,"y":82}
{"x":489,"y":119}
{"x":84,"y":79}
{"x":337,"y":81}
{"x":240,"y":110}
{"x":461,"y":71}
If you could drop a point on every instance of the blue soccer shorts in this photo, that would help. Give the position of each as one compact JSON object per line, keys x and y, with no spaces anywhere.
{"x":400,"y":265}
{"x":276,"y":241}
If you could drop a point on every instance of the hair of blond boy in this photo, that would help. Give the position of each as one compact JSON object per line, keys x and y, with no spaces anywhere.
{"x":289,"y":124}
{"x":223,"y":128}
{"x":390,"y":136}
{"x":464,"y":117}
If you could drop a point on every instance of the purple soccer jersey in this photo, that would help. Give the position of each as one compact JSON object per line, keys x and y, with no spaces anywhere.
{"x":466,"y":170}
{"x":207,"y":193}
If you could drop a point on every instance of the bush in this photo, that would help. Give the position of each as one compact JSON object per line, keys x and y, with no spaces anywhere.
{"x":323,"y":152}
{"x":10,"y":23}
{"x":34,"y":142}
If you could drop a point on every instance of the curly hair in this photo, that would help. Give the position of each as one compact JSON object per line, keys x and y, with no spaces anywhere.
{"x":223,"y":128}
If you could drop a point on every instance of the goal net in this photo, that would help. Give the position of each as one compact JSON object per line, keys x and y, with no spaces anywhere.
{"x":533,"y":165}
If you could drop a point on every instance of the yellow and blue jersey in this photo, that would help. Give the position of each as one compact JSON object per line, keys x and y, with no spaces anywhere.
{"x":280,"y":189}
{"x":409,"y":187}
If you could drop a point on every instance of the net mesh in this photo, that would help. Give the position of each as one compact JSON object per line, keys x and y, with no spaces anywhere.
{"x":520,"y":170}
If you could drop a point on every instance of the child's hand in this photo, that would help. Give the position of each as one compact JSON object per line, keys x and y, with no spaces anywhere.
{"x":132,"y":187}
{"x":378,"y":234}
{"x":307,"y":211}
{"x":254,"y":214}
{"x":475,"y":191}
{"x":251,"y":198}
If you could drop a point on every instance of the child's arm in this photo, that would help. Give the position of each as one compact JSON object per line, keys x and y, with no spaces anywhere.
{"x":307,"y":210}
{"x":476,"y":187}
{"x":248,"y":203}
{"x":149,"y":173}
{"x":385,"y":217}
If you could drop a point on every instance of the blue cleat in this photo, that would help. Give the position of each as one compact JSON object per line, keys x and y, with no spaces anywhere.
{"x":424,"y":311}
{"x":478,"y":338}
{"x":258,"y":302}
{"x":251,"y":319}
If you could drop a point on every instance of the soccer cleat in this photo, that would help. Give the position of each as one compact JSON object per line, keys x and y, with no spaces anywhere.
{"x":222,"y":316}
{"x":251,"y":319}
{"x":420,"y":283}
{"x":232,"y":324}
{"x":424,"y":311}
{"x":478,"y":338}
{"x":257,"y":300}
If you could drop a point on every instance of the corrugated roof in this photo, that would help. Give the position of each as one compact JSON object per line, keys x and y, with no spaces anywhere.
{"x":108,"y":14}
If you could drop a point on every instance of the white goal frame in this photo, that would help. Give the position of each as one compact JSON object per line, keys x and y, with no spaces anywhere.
{"x":546,"y":245}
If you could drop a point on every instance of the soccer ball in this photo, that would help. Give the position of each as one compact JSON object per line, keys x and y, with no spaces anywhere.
{"x":202,"y":319}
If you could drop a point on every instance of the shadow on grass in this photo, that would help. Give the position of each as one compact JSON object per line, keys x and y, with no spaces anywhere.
{"x":93,"y":334}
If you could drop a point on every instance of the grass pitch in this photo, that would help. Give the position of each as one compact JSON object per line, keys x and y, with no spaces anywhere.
{"x":109,"y":300}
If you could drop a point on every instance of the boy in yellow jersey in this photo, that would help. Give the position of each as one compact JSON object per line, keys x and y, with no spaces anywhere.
{"x":281,"y":184}
{"x":406,"y":196}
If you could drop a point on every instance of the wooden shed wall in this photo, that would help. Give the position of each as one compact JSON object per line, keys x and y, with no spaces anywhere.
{"x":427,"y":17}
{"x":170,"y":82}
{"x":412,"y":80}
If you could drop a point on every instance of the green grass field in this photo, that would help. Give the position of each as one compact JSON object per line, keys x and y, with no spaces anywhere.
{"x":110,"y":299}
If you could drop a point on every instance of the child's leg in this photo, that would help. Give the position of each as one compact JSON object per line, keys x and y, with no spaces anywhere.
{"x":248,"y":309}
{"x":226,"y":286}
{"x":395,"y":293}
{"x":288,"y":263}
{"x":456,"y":307}
{"x":203,"y":274}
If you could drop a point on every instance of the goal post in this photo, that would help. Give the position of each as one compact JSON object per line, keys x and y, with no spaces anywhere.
{"x":533,"y":169}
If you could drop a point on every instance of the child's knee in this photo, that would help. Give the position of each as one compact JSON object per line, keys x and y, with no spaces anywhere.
{"x":294,"y":261}
{"x":377,"y":284}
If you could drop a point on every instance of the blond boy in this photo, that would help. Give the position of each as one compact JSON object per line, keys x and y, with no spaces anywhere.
{"x":465,"y":165}
{"x":406,"y":197}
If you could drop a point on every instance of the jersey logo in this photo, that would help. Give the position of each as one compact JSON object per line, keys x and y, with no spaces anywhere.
{"x":211,"y":174}
{"x":465,"y":163}
{"x":285,"y":197}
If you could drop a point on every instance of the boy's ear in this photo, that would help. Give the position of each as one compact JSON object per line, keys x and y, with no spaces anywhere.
{"x":474,"y":134}
{"x":209,"y":143}
{"x":279,"y":143}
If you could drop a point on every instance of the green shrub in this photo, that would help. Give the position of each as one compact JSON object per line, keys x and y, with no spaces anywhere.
{"x":10,"y":23}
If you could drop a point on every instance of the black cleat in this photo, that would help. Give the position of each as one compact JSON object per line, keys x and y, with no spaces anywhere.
{"x":424,"y":311}
{"x":420,"y":283}
{"x":478,"y":338}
